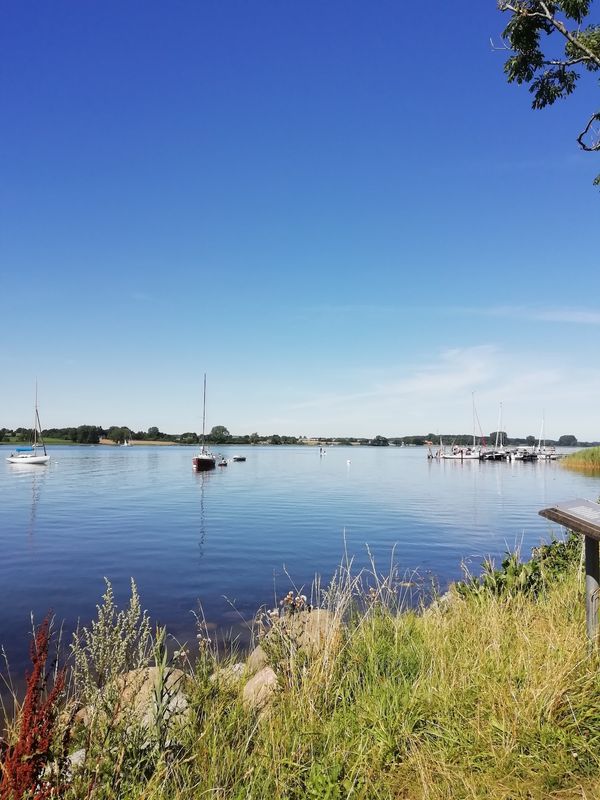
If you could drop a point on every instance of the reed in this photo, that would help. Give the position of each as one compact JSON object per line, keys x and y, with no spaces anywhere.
{"x":489,"y":692}
{"x":587,"y":459}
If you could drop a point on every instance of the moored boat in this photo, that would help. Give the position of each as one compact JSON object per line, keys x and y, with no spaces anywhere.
{"x":468,"y":452}
{"x":205,"y":460}
{"x":545,"y":453}
{"x":462,"y":454}
{"x":522,"y":454}
{"x":28,"y":454}
{"x":494,"y":455}
{"x":499,"y":453}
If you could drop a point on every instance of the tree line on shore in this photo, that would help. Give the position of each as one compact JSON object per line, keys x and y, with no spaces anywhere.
{"x":219,"y":434}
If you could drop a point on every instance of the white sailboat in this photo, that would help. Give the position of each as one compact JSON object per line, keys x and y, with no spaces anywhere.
{"x":499,"y":453}
{"x":205,"y":460}
{"x":28,"y":454}
{"x":468,"y":453}
{"x":545,"y":453}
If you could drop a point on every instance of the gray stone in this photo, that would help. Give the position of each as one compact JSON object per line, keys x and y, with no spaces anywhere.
{"x":135,"y":696}
{"x":441,"y":605}
{"x":259,"y":690}
{"x":257,"y":660}
{"x":312,"y":632}
{"x":77,"y":758}
{"x":229,"y":677}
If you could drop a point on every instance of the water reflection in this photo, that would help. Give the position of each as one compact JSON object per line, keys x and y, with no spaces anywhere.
{"x":202,"y":479}
{"x":36,"y":474}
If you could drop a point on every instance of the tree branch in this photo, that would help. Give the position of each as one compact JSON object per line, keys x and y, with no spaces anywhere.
{"x":521,"y":11}
{"x":594,"y":147}
{"x":561,"y":28}
{"x":567,"y":63}
{"x":556,"y":23}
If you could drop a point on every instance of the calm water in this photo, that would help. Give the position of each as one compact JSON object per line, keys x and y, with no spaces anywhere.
{"x":226,"y":538}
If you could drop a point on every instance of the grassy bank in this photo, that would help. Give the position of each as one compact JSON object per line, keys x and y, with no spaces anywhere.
{"x":491,"y":692}
{"x":588,"y":459}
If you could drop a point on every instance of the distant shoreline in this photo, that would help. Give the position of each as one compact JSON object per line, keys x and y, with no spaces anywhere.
{"x":68,"y":443}
{"x":135,"y":442}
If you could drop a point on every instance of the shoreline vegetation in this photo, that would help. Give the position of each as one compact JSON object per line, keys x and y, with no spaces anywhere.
{"x":219,"y":435}
{"x":585,"y":460}
{"x":490,"y":691}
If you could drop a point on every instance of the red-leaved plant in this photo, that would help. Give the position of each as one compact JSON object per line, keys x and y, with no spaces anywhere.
{"x":24,"y":762}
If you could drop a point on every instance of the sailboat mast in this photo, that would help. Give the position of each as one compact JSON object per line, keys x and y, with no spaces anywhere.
{"x":473,"y":401}
{"x":203,"y":412}
{"x":35,"y":418}
{"x":37,"y":425}
{"x":40,"y":430}
{"x":499,"y":426}
{"x":500,"y":431}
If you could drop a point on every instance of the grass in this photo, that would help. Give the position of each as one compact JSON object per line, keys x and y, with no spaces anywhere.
{"x":491,"y":692}
{"x":588,"y":459}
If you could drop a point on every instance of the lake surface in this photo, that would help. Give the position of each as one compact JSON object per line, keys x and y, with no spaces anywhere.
{"x":228,"y":539}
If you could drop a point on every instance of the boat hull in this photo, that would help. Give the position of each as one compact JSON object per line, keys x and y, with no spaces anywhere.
{"x":28,"y":459}
{"x":494,"y":456}
{"x":460,"y":456}
{"x":203,"y":463}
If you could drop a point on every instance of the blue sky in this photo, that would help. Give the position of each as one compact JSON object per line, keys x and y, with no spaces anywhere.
{"x":340,"y":211}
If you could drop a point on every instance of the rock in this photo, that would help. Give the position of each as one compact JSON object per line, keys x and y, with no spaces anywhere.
{"x":76,"y":759}
{"x":309,"y":631}
{"x":313,"y":631}
{"x":257,"y":660}
{"x":135,"y":695}
{"x":441,"y":605}
{"x":143,"y":702}
{"x":229,"y":677}
{"x":260,"y":689}
{"x":83,"y":716}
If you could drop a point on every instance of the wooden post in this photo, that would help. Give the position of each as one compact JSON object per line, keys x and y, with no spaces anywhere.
{"x":592,"y":586}
{"x":583,"y":516}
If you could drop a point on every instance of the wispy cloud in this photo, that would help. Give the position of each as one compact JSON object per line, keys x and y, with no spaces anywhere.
{"x":454,"y":370}
{"x":417,"y":397}
{"x":566,"y":314}
{"x":576,"y":316}
{"x":453,"y":373}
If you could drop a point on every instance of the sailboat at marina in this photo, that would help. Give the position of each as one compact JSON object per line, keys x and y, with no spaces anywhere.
{"x":28,"y":454}
{"x":499,"y":453}
{"x":543,"y":452}
{"x":205,"y":460}
{"x":470,"y":452}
